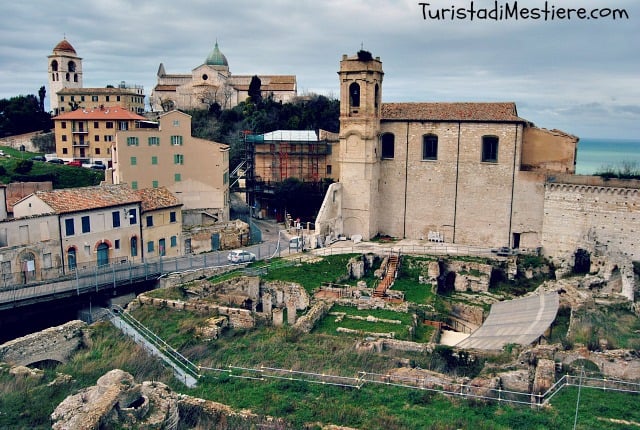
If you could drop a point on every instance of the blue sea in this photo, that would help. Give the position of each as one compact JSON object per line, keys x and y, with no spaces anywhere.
{"x":596,"y":155}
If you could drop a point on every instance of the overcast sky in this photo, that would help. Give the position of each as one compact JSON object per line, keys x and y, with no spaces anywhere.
{"x":580,"y":76}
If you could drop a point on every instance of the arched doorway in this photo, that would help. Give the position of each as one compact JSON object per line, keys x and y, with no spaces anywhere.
{"x":71,"y":259}
{"x":103,"y":254}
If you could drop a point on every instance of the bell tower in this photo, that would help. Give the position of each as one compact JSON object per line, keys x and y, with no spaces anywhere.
{"x":360,"y":107}
{"x":65,"y":71}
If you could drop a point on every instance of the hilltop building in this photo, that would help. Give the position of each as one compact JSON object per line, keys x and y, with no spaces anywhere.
{"x":67,"y":93}
{"x":212,"y":82}
{"x":467,"y":173}
{"x":88,"y":135}
{"x":195,"y":170}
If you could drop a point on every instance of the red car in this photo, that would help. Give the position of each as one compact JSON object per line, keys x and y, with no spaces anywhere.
{"x":76,"y":163}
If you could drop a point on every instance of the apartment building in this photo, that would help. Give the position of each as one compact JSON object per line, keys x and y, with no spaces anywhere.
{"x":87,"y":135}
{"x":130,"y":98}
{"x":195,"y":170}
{"x":97,"y":225}
{"x":161,"y":223}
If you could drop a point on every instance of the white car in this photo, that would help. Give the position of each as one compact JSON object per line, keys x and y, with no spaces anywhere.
{"x":241,"y":256}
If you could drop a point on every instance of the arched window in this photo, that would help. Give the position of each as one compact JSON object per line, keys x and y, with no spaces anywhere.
{"x":354,"y":95}
{"x":75,"y":77}
{"x":71,"y":258}
{"x":72,"y":66}
{"x":54,"y":65}
{"x":134,"y":246}
{"x":429,"y":147}
{"x":67,"y":76}
{"x":490,"y":149}
{"x":388,"y":145}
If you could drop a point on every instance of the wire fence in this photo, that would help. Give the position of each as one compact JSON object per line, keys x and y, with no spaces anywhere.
{"x":417,"y":380}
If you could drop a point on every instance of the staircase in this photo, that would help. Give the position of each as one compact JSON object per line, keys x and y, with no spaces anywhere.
{"x":389,"y":276}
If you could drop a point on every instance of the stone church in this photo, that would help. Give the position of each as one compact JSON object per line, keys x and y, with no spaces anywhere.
{"x":212,"y":82}
{"x":465,"y":173}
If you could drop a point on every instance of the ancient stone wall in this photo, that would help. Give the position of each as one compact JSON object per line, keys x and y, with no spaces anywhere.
{"x":55,"y":343}
{"x":586,"y":216}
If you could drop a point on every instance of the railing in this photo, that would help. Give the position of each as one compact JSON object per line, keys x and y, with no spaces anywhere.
{"x":95,"y":278}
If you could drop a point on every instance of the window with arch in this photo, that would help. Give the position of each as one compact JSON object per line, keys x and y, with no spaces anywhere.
{"x":134,"y":246}
{"x":354,"y":95}
{"x":377,"y":96}
{"x":71,"y":66}
{"x":490,"y":149}
{"x":388,"y":145}
{"x":54,"y":65}
{"x":75,"y":77}
{"x":71,"y":258}
{"x":429,"y":147}
{"x":67,"y":76}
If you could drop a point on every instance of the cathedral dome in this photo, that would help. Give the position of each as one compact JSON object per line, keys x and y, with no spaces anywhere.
{"x":216,"y":58}
{"x":64,"y":46}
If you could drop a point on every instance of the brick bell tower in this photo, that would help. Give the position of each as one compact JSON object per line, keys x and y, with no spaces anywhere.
{"x":360,"y":106}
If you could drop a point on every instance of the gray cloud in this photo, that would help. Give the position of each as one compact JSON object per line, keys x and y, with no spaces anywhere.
{"x":580,"y":76}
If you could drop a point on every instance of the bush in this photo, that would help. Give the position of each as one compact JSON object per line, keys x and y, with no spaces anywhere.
{"x":24,"y":166}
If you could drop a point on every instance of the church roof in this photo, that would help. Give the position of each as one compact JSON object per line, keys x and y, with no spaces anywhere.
{"x":64,"y":46}
{"x":216,"y":58}
{"x":464,"y":111}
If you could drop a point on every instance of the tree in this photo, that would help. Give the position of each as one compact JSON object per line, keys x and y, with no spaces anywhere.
{"x":255,"y":94}
{"x":41,"y":94}
{"x":22,"y":114}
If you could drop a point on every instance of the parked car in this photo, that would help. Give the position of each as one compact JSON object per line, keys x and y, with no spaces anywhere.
{"x":38,"y":158}
{"x":98,"y":166}
{"x":75,"y":163}
{"x":241,"y":256}
{"x":55,"y":161}
{"x":505,"y":251}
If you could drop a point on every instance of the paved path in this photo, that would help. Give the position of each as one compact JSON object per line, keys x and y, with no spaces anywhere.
{"x":127,"y":329}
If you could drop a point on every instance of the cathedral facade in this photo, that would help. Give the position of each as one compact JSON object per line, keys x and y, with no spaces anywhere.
{"x":212,"y":82}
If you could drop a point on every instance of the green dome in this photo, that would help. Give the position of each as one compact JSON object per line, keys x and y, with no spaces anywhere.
{"x":216,"y":58}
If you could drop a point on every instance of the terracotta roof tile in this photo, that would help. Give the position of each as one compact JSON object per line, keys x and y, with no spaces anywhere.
{"x":111,"y":112}
{"x":86,"y":198}
{"x":492,"y":112}
{"x":157,"y":198}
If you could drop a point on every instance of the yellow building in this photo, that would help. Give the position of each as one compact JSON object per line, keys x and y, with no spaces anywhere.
{"x":87,"y":135}
{"x":161,"y":220}
{"x":129,"y":97}
{"x":66,"y":91}
{"x":195,"y":170}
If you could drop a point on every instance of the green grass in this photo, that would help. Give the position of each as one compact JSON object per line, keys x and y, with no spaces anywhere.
{"x":28,"y":403}
{"x":61,"y":176}
{"x":312,"y":275}
{"x":328,"y":324}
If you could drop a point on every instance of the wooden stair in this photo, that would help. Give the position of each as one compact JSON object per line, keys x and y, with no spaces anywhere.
{"x":389,"y":276}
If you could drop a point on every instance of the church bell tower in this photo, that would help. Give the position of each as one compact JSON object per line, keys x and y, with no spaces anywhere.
{"x":360,"y":107}
{"x":65,"y":71}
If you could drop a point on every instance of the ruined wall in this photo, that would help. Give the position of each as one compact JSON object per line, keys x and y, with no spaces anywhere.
{"x":590,"y":216}
{"x":55,"y":343}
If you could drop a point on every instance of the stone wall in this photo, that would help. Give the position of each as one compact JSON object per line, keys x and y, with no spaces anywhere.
{"x":55,"y":343}
{"x":587,"y":216}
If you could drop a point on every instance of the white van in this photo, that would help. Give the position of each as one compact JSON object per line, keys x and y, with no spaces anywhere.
{"x":295,"y":242}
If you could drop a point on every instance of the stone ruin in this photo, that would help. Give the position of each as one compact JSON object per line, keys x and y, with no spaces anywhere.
{"x":117,"y":401}
{"x":237,"y":303}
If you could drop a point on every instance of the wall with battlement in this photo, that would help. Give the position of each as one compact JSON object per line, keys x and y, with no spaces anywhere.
{"x":592,"y":217}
